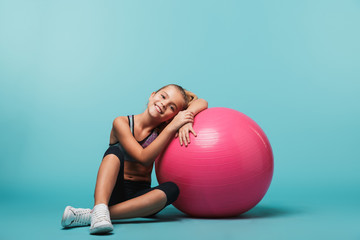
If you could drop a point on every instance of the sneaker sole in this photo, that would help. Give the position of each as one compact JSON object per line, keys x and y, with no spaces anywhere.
{"x":102,"y":229}
{"x":65,"y":216}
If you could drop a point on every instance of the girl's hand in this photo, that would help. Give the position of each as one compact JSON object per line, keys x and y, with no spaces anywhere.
{"x":181,"y":118}
{"x":184,"y":133}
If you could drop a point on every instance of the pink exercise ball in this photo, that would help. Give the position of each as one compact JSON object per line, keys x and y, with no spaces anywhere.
{"x":225,"y":171}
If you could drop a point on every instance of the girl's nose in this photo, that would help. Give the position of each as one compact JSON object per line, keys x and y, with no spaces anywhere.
{"x":163,"y":105}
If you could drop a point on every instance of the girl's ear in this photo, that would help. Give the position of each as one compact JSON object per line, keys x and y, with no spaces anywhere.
{"x":152,"y":95}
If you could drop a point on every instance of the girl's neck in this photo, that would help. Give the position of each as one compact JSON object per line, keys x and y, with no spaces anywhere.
{"x":145,"y":122}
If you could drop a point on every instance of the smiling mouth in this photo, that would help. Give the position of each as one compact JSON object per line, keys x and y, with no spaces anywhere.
{"x":158,"y":108}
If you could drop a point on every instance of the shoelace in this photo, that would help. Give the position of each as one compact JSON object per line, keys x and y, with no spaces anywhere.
{"x":101,"y":214}
{"x":82,"y":216}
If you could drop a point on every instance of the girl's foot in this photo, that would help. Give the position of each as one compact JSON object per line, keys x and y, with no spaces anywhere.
{"x":76,"y":217}
{"x":100,"y":220}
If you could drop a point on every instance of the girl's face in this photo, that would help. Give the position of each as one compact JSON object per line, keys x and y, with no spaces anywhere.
{"x":166,"y":103}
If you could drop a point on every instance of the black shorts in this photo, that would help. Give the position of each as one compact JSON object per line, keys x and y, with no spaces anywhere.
{"x":126,"y":189}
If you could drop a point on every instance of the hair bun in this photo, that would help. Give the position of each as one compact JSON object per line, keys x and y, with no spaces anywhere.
{"x":190,"y":96}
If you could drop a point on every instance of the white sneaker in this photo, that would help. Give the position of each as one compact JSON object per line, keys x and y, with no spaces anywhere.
{"x":75,"y":217}
{"x":100,"y":220}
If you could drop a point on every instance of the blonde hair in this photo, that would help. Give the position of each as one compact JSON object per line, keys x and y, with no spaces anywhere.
{"x":190,"y":97}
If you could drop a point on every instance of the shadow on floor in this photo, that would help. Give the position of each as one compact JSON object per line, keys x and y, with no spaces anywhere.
{"x":146,"y":220}
{"x":173,"y":214}
{"x":268,"y":212}
{"x":102,"y":234}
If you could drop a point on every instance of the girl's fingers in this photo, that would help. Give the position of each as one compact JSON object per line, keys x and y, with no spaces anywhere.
{"x":189,"y":121}
{"x":193,"y":132}
{"x":185,"y":141}
{"x":180,"y":139}
{"x":190,"y":114}
{"x":187,"y":137}
{"x":184,"y":133}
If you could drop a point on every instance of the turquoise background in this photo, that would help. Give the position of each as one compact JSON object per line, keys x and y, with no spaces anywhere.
{"x":68,"y":68}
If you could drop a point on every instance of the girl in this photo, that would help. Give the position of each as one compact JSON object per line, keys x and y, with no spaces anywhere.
{"x":124,"y":177}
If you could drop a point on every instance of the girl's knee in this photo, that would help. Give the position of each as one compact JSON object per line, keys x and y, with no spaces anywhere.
{"x":171,"y":191}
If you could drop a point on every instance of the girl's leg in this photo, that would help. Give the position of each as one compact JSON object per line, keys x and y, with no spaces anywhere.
{"x":141,"y":206}
{"x":106,"y":178}
{"x":105,"y":182}
{"x":144,"y":205}
{"x":146,"y":202}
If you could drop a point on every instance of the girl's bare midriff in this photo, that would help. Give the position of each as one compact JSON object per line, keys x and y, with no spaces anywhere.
{"x":134,"y":171}
{"x":137,"y":172}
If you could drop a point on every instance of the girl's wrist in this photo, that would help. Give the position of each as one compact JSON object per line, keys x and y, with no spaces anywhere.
{"x":170,"y":129}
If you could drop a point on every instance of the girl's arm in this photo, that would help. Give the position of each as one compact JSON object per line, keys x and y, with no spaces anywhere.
{"x":195,"y":106}
{"x":147,"y":156}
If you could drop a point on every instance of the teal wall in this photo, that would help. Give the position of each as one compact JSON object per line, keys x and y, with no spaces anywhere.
{"x":68,"y":68}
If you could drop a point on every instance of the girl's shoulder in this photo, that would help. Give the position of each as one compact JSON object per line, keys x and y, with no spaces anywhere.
{"x":121,"y":121}
{"x":123,"y":118}
{"x":120,"y":127}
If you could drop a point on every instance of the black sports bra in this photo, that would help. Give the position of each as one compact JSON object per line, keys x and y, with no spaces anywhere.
{"x":144,"y":143}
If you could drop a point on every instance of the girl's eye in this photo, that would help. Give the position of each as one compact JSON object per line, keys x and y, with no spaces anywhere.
{"x":172,"y":108}
{"x":163,"y":96}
